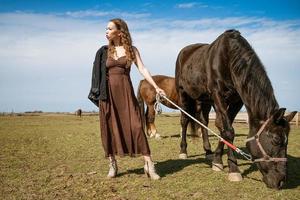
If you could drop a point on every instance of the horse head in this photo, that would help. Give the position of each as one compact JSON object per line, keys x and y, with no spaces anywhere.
{"x":269,"y":149}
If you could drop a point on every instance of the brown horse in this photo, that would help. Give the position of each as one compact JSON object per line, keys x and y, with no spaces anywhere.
{"x":147,"y":94}
{"x":228,"y":74}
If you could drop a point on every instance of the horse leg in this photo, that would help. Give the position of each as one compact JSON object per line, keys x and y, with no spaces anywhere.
{"x":224,"y":124}
{"x":183,"y":145}
{"x":234,"y":174}
{"x":150,"y":118}
{"x":204,"y":118}
{"x":186,"y":105}
{"x":217,"y":163}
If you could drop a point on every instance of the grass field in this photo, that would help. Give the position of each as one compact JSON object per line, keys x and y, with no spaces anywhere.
{"x":61,"y":157}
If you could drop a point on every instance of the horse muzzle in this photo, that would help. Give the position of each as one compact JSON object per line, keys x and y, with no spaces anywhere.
{"x":274,"y":180}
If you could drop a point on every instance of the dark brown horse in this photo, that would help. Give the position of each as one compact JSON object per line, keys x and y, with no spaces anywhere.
{"x":78,"y":112}
{"x":147,"y":94}
{"x":228,"y":74}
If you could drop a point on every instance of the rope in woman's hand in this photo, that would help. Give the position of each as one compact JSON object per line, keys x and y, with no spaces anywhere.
{"x":157,"y":106}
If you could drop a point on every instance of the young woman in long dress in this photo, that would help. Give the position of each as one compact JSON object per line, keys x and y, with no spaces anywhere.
{"x":121,"y":126}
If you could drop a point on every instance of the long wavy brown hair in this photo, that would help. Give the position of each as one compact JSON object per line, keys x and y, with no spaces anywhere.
{"x":125,"y":41}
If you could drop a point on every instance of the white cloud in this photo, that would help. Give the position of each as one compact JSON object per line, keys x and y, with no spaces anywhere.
{"x":48,"y":56}
{"x":87,"y":13}
{"x":191,"y":5}
{"x":97,"y":13}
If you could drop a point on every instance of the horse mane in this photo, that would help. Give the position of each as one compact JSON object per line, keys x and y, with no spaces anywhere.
{"x":250,"y":76}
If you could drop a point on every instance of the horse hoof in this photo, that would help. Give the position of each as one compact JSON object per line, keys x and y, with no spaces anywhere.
{"x":183,"y":156}
{"x":235,"y":177}
{"x":209,"y":156}
{"x":157,"y":136}
{"x":217,"y":167}
{"x":151,"y":135}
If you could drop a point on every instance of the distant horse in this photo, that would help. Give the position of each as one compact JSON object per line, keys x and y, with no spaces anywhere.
{"x":78,"y":112}
{"x":228,"y":74}
{"x":147,"y":94}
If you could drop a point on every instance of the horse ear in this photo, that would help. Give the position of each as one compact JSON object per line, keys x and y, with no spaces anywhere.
{"x":290,"y":116}
{"x":278,"y":115}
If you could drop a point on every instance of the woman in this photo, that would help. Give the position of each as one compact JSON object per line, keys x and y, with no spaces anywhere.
{"x":120,"y":119}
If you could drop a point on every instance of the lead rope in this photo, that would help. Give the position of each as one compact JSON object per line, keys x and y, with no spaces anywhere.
{"x":157,"y":106}
{"x":159,"y":110}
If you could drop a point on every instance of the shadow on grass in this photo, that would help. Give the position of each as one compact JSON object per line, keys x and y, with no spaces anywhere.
{"x":252,"y":168}
{"x":170,"y":166}
{"x":132,"y":171}
{"x":187,"y":135}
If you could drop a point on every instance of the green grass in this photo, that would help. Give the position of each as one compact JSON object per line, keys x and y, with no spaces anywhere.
{"x":61,"y":157}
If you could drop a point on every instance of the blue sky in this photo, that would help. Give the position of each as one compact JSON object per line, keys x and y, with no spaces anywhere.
{"x":275,"y":9}
{"x":48,"y":47}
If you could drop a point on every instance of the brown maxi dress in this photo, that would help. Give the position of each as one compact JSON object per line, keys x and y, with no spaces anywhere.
{"x":121,"y":126}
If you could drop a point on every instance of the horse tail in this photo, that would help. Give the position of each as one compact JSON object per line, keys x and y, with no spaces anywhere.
{"x":141,"y":104}
{"x":193,"y":126}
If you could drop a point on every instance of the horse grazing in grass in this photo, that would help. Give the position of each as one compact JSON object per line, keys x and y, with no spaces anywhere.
{"x":147,"y":94}
{"x":228,"y":74}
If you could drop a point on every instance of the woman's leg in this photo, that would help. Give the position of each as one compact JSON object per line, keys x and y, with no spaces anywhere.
{"x":113,"y":168}
{"x":149,"y":168}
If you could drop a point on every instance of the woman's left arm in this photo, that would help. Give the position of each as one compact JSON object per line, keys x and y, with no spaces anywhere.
{"x":144,"y":71}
